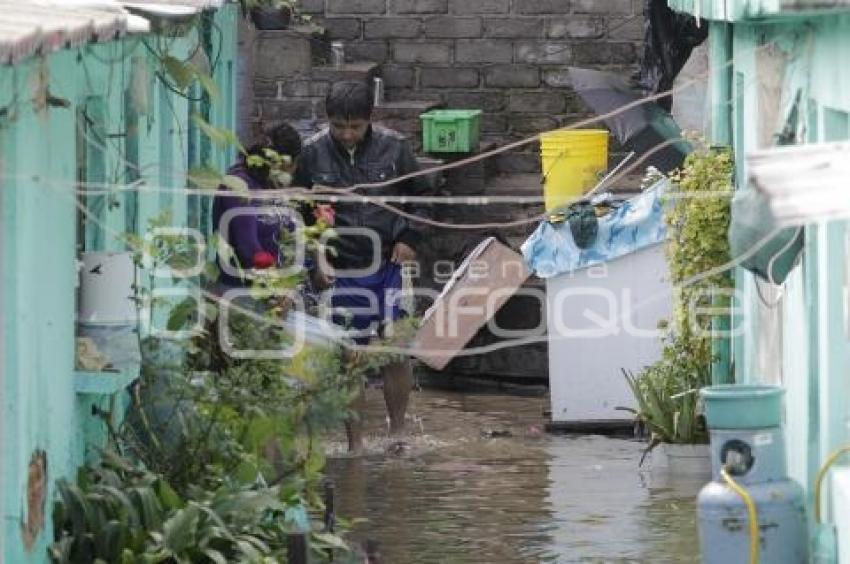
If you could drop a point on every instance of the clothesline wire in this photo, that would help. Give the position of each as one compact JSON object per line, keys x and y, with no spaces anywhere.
{"x":536,"y":218}
{"x":106,"y":188}
{"x":478,"y":350}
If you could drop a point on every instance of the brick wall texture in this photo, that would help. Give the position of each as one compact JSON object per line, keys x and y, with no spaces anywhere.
{"x":507,"y":57}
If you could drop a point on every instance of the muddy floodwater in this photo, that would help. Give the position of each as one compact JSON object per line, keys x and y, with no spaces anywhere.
{"x":478,"y":481}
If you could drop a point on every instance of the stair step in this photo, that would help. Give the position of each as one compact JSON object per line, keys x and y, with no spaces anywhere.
{"x":434,"y":179}
{"x":349,"y":71}
{"x":404,"y":109}
{"x":291,"y":109}
{"x":280,"y":54}
{"x":518,"y":184}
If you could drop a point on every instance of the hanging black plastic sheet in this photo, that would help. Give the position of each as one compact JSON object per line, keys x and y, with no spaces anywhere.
{"x":669,"y":38}
{"x":641,"y":128}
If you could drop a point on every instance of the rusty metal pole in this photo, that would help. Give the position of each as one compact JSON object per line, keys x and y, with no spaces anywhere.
{"x":330,"y":512}
{"x":297,"y":548}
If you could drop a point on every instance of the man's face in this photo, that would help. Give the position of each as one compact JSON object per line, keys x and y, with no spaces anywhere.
{"x":349,"y":132}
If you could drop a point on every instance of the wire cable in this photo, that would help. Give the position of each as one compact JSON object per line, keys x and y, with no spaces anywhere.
{"x":472,"y":351}
{"x":752,"y":513}
{"x":830,"y":462}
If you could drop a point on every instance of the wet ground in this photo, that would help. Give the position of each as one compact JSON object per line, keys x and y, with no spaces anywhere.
{"x":480,"y":482}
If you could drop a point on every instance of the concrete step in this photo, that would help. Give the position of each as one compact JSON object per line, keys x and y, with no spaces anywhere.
{"x":403,"y":116}
{"x":469,"y":179}
{"x":404,"y":109}
{"x":435,"y":180}
{"x":281,"y":53}
{"x":531,"y":184}
{"x":291,"y":109}
{"x":312,"y":82}
{"x":364,"y":72}
{"x":517,"y":184}
{"x":525,"y":159}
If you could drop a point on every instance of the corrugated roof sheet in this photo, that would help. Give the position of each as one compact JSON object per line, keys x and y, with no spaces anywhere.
{"x":198,"y":4}
{"x":32,"y":27}
{"x":29,"y":27}
{"x":814,"y":4}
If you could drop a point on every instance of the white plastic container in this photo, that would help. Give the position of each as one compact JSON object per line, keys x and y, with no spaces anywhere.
{"x":107,"y":312}
{"x":602,"y":320}
{"x":106,"y":289}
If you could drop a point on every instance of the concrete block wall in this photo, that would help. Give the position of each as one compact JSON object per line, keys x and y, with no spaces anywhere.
{"x":506,"y":57}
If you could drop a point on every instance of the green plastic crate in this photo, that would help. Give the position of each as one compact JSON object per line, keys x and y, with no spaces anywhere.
{"x":451,"y":131}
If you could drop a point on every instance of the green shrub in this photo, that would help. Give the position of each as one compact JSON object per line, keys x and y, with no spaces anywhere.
{"x":697,"y":217}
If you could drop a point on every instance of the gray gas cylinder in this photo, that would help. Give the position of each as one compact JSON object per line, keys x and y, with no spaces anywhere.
{"x":748,"y":441}
{"x":724,"y":525}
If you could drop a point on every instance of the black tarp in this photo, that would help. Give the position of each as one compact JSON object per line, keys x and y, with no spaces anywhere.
{"x":669,"y":38}
{"x":642,"y":128}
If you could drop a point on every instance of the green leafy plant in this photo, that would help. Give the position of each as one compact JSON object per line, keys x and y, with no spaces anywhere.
{"x":697,"y":217}
{"x":209,"y":433}
{"x":204,"y":421}
{"x":667,"y":396}
{"x":184,"y":73}
{"x":118,"y":512}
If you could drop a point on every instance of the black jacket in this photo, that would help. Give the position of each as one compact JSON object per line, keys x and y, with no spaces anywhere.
{"x":383,"y":155}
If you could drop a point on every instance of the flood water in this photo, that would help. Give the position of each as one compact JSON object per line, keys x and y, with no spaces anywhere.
{"x":480,"y":482}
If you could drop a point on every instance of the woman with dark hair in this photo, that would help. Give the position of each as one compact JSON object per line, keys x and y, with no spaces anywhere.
{"x":252,"y":227}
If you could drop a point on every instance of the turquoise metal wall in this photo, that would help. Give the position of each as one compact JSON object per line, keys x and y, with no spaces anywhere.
{"x":816,"y":356}
{"x":39,"y":271}
{"x":106,"y":133}
{"x":793,"y":52}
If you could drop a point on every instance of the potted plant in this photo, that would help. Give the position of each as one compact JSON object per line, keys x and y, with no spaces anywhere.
{"x":669,"y":410}
{"x":269,"y":14}
{"x":666,"y":393}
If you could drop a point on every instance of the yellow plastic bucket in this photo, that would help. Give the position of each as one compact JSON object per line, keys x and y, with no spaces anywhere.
{"x":573,"y":162}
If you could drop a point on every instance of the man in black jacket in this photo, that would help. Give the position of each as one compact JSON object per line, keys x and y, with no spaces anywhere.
{"x":373,"y":242}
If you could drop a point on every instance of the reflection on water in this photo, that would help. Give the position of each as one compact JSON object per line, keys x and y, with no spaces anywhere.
{"x":480,"y":483}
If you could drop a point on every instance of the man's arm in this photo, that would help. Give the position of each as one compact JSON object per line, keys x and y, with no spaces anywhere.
{"x":304,"y":173}
{"x":303,"y":178}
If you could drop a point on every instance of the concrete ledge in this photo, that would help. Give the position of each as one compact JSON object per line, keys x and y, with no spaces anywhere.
{"x":611,"y":427}
{"x":102,"y":383}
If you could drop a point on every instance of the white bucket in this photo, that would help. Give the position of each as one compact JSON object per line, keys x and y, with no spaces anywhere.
{"x":106,"y":289}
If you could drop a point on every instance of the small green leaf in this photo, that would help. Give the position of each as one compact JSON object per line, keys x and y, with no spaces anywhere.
{"x":211,"y":271}
{"x":221,"y":137}
{"x":209,"y":85}
{"x":182,"y":313}
{"x":169,"y":498}
{"x":330,"y":541}
{"x":148,"y":506}
{"x":77,"y":507}
{"x":235,"y":183}
{"x":204,"y":178}
{"x":179,"y":530}
{"x":181,"y":73}
{"x":215,"y":556}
